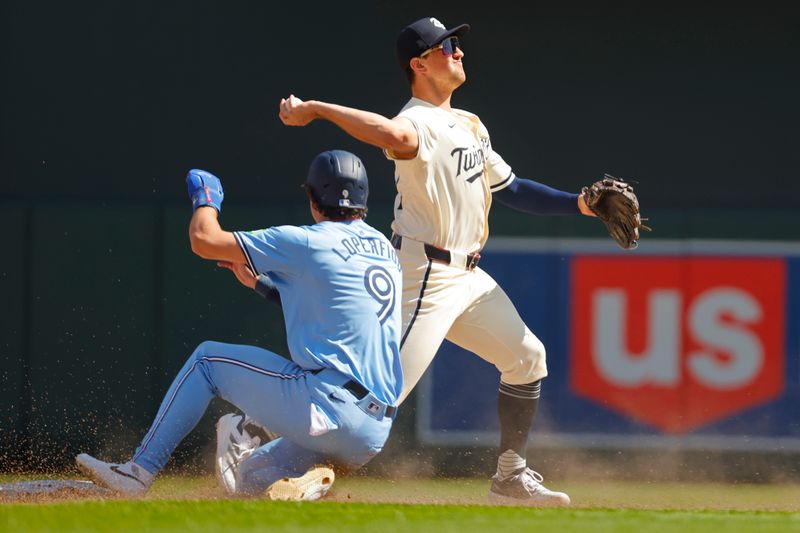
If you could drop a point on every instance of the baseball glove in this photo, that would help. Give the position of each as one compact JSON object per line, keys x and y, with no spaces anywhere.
{"x":615,"y":203}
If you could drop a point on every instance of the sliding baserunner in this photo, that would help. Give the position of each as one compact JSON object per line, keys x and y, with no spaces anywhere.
{"x":333,"y":403}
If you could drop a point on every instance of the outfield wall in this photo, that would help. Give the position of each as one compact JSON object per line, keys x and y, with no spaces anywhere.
{"x":103,"y":302}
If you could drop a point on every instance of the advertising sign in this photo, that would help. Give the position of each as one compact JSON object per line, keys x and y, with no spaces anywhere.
{"x":688,"y":343}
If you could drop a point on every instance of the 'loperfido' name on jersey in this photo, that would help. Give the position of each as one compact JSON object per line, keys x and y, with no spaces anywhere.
{"x":370,"y":246}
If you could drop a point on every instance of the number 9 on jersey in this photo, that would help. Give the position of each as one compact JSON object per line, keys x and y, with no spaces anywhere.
{"x":380,"y":286}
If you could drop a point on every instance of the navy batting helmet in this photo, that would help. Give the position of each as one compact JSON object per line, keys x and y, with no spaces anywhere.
{"x":338,"y":179}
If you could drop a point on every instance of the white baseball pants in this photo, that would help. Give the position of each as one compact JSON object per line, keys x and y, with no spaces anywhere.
{"x":468,"y":308}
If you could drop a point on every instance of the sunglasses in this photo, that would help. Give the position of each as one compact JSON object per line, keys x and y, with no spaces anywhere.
{"x":448,"y":47}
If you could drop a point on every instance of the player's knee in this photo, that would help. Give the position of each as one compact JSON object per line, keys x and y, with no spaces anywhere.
{"x":535,"y":363}
{"x":530,"y":365}
{"x":535,"y":348}
{"x":205,"y":348}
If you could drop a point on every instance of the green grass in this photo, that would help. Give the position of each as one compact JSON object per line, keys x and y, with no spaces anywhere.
{"x":259,"y":515}
{"x":377,"y":505}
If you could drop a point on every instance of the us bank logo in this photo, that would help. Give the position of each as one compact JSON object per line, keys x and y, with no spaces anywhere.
{"x":678,"y":343}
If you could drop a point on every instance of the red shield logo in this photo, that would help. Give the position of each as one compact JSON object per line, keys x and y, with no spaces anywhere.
{"x":677,"y":343}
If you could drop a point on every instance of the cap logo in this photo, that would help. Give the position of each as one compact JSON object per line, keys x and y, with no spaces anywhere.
{"x":437,"y":23}
{"x":345,"y":193}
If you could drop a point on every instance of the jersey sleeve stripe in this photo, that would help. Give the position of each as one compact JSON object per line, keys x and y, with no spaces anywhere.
{"x":503,"y":184}
{"x":246,"y":252}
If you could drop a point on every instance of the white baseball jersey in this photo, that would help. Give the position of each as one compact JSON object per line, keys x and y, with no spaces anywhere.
{"x":445,"y":192}
{"x":443,"y":198}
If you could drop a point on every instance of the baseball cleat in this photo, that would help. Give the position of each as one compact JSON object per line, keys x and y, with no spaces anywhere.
{"x":312,"y":485}
{"x":128,"y":479}
{"x":525,"y":489}
{"x":234,"y":445}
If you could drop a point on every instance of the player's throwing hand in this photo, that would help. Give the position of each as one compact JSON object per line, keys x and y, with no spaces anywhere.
{"x":295,"y":112}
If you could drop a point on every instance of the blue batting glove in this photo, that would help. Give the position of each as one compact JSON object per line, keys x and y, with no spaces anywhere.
{"x":204,"y":189}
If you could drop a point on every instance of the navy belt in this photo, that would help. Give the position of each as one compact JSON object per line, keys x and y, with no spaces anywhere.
{"x":360,"y":392}
{"x":440,"y":254}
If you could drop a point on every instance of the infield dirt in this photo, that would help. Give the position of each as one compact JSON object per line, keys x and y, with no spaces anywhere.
{"x":472,"y":491}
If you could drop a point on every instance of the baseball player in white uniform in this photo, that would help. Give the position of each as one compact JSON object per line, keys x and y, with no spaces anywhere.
{"x":447,"y":175}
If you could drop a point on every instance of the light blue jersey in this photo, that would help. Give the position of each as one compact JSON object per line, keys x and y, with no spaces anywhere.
{"x":355,"y":268}
{"x":335,"y":401}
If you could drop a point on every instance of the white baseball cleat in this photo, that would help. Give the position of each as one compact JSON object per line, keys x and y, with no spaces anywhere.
{"x":525,"y":489}
{"x":312,"y":485}
{"x":128,"y":479}
{"x":234,"y":445}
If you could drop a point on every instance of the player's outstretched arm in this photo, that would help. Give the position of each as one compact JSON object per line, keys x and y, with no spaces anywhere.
{"x":537,"y":198}
{"x":396,"y":135}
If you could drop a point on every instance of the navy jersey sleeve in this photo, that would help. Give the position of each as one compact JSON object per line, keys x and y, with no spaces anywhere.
{"x":280,"y":249}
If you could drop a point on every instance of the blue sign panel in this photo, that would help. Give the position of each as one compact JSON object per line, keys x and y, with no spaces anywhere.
{"x":457,"y":398}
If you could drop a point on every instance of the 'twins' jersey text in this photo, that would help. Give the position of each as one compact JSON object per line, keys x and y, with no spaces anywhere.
{"x":445,"y":192}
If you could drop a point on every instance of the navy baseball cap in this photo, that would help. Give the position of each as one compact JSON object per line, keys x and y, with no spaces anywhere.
{"x":422,"y":35}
